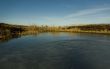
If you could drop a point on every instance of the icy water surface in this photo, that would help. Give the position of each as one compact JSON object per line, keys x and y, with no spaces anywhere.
{"x":56,"y":51}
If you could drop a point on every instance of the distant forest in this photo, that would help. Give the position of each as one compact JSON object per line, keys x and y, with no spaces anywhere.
{"x":17,"y":29}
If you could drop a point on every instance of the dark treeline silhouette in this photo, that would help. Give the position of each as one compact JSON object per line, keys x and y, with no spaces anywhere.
{"x":11,"y":29}
{"x":98,"y":28}
{"x":8,"y":29}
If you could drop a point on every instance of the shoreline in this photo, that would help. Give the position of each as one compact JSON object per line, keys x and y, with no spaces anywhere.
{"x":8,"y":29}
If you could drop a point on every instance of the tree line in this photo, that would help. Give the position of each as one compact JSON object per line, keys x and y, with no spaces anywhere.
{"x":91,"y":28}
{"x":15,"y":29}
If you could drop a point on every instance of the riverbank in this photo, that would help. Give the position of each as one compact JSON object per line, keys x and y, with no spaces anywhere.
{"x":8,"y":29}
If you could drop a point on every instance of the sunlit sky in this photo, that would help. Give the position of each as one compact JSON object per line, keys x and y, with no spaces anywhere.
{"x":54,"y":12}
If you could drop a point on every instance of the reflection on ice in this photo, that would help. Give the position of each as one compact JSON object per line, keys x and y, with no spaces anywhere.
{"x":58,"y":51}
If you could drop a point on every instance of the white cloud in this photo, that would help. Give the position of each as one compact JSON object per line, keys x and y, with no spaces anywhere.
{"x":82,"y":16}
{"x":86,"y":12}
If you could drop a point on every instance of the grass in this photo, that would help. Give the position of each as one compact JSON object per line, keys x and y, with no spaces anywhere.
{"x":8,"y":29}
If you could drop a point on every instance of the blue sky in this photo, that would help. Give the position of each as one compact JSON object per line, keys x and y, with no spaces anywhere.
{"x":54,"y":12}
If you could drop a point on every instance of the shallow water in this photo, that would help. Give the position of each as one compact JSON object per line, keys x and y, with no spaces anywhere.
{"x":56,"y":51}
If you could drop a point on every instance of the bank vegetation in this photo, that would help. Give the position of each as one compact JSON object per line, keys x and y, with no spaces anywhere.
{"x":8,"y":29}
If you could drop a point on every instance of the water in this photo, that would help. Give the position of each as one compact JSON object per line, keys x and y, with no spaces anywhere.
{"x":56,"y":51}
